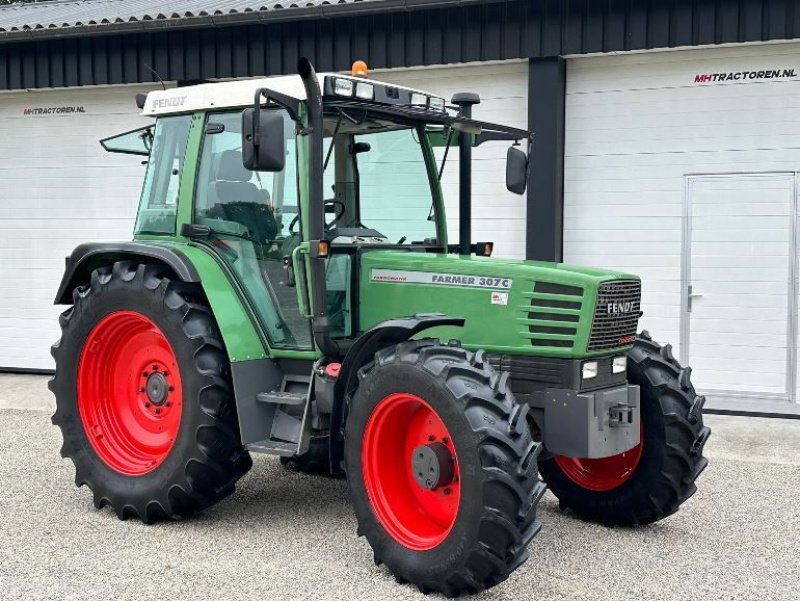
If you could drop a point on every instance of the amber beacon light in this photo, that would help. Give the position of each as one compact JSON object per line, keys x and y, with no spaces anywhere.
{"x":359,"y":69}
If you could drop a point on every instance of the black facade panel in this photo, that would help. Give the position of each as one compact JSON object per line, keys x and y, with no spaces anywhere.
{"x":55,"y":49}
{"x":42,"y":67}
{"x":705,"y":30}
{"x":505,"y":29}
{"x":29,"y":70}
{"x":752,"y":15}
{"x":256,"y":53}
{"x":492,"y":35}
{"x":378,"y":56}
{"x":614,"y":31}
{"x":99,"y":52}
{"x":551,"y":28}
{"x":71,"y":62}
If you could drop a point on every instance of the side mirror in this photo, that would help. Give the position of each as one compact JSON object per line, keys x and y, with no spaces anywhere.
{"x":263,"y":140}
{"x":516,"y":170}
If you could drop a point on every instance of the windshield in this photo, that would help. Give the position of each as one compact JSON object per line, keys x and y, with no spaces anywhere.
{"x":377,"y":181}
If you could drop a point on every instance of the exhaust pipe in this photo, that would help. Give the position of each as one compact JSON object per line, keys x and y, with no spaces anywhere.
{"x":316,"y":220}
{"x":465,"y":101}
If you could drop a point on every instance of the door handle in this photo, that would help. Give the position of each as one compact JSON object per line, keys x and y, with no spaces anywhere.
{"x":690,"y":295}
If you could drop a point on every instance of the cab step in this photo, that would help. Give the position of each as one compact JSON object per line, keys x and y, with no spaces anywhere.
{"x":273,"y":447}
{"x":291,"y":399}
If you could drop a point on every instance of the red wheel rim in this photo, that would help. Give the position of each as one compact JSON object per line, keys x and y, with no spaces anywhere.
{"x":602,"y":475}
{"x":414,"y":516}
{"x":129,"y":393}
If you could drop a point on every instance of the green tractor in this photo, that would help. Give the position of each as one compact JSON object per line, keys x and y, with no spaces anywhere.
{"x":291,"y":290}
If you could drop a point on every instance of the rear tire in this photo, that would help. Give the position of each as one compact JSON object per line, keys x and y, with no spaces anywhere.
{"x":465,"y":533}
{"x":141,"y":361}
{"x":657,"y":477}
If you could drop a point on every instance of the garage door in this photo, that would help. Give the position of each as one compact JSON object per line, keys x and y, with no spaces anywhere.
{"x":497,"y":215}
{"x":57,"y":189}
{"x":637,"y":128}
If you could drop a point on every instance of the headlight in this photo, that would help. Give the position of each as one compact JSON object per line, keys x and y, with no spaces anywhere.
{"x":343,"y":87}
{"x":419,"y":99}
{"x":619,"y":364}
{"x":436,"y":103}
{"x":589,"y":370}
{"x":365,"y":90}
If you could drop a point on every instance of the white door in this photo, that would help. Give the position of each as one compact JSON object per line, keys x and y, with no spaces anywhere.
{"x":739,"y":284}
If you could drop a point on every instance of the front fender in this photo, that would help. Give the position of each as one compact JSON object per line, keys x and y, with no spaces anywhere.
{"x":386,"y":333}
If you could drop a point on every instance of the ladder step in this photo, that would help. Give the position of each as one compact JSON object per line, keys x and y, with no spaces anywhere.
{"x":272,"y":447}
{"x":293,"y":399}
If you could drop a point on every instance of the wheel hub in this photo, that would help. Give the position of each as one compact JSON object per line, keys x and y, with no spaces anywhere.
{"x":129,"y":393}
{"x":432,"y":465}
{"x":157,"y":388}
{"x":411,"y":471}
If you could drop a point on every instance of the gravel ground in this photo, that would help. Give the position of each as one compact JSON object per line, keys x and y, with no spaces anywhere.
{"x":287,"y":536}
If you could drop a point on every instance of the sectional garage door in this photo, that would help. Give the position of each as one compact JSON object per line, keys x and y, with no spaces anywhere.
{"x":682,"y":167}
{"x":57,"y":189}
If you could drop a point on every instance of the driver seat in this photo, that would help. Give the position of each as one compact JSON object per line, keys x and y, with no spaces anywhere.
{"x":240,"y":200}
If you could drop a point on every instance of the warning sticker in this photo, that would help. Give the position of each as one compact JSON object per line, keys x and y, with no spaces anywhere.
{"x":499,"y":298}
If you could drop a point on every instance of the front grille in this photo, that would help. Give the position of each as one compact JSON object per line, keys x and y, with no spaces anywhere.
{"x":617,"y":314}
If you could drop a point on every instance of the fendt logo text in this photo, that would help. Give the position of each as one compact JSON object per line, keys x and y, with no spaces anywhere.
{"x":614,"y":308}
{"x":166,"y":103}
{"x":745,"y":75}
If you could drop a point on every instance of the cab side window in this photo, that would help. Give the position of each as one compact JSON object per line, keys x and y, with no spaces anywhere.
{"x":158,"y":206}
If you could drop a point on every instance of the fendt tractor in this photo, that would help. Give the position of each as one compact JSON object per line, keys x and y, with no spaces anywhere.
{"x":291,"y":290}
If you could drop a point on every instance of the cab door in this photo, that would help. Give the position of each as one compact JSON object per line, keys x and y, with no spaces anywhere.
{"x":254,"y":223}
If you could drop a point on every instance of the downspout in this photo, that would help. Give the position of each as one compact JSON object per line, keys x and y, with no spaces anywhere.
{"x":316,"y":219}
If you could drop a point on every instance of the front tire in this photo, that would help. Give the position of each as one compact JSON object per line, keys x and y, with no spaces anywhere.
{"x":650,"y":481}
{"x":441,"y":468}
{"x":143,"y":396}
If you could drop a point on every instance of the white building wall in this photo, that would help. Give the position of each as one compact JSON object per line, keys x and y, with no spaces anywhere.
{"x":637,"y":126}
{"x":58,"y":188}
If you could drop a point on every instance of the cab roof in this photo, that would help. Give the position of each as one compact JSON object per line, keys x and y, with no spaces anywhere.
{"x":239,"y":93}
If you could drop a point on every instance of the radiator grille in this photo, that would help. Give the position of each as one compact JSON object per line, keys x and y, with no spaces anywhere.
{"x":554,"y":313}
{"x":617,"y":314}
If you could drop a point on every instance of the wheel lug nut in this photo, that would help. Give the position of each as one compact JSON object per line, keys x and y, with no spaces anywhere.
{"x":155,"y":367}
{"x":171,"y":389}
{"x":158,"y":410}
{"x":168,"y":404}
{"x":446,"y":491}
{"x":145,"y":374}
{"x":147,"y":405}
{"x":141,"y":389}
{"x":445,"y":440}
{"x":166,"y":373}
{"x":431,"y":438}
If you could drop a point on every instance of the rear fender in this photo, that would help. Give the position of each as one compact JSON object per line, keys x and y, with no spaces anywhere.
{"x":384,"y":334}
{"x":88,"y":257}
{"x":188,"y":263}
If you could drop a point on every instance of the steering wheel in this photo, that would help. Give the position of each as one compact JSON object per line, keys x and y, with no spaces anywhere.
{"x":338,"y":215}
